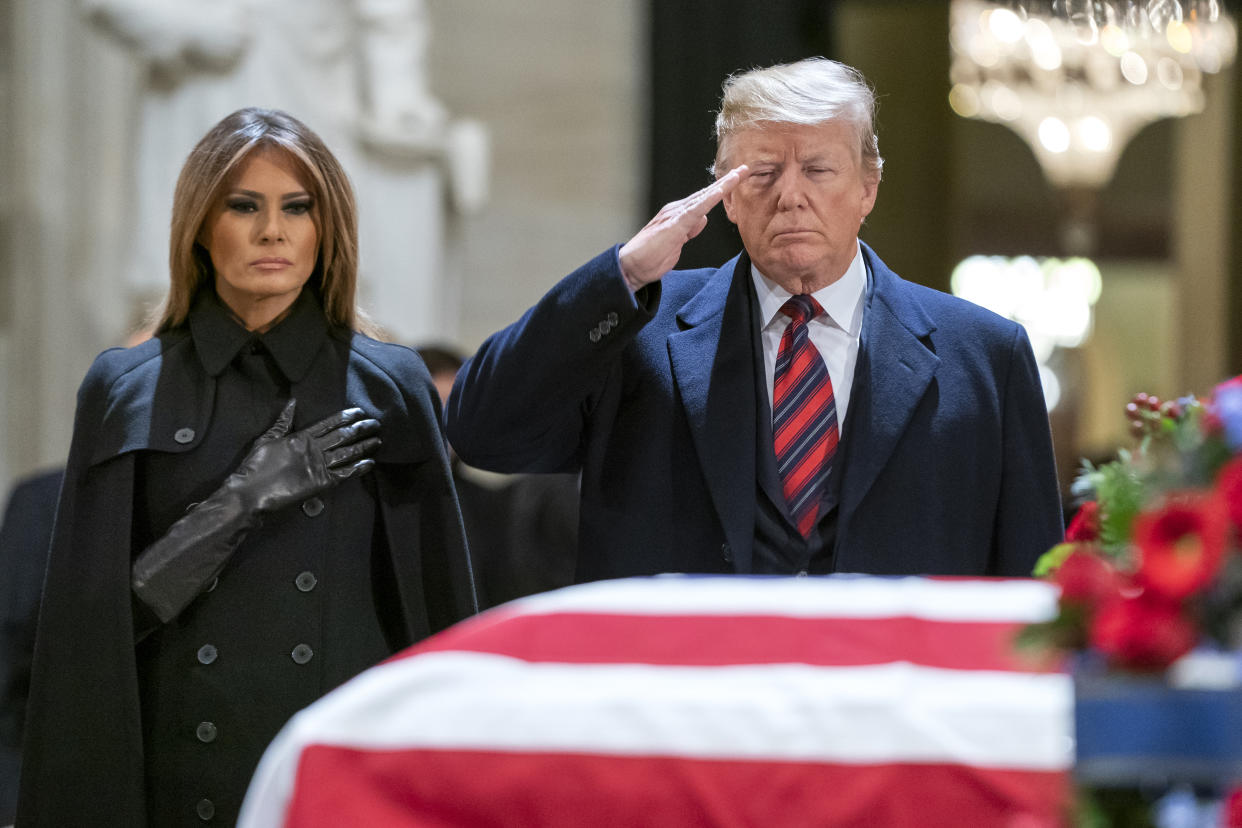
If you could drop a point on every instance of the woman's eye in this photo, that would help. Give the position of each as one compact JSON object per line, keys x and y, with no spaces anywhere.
{"x":298,"y":208}
{"x":241,"y":205}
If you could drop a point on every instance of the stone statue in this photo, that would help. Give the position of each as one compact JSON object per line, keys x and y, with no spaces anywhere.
{"x":354,"y":70}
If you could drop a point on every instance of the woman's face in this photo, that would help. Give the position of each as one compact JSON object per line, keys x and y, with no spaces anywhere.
{"x":262,"y":238}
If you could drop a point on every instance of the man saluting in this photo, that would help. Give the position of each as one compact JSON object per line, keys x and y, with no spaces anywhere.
{"x":800,"y":409}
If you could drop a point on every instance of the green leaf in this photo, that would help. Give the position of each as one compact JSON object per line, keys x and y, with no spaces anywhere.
{"x":1051,"y":560}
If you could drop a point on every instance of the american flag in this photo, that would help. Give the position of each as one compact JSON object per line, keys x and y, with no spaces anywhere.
{"x":684,"y":700}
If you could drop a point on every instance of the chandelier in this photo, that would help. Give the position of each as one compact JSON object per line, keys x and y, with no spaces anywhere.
{"x":1076,"y":79}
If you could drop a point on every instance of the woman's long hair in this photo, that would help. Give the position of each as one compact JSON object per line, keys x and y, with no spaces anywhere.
{"x":207,"y":172}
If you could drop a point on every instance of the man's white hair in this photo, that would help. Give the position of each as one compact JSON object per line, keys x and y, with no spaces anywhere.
{"x":811,"y":91}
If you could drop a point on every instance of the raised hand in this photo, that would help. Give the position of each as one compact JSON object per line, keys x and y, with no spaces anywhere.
{"x":655,"y":249}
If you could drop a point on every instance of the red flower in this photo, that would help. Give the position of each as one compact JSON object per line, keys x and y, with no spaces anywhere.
{"x":1229,"y":487}
{"x":1142,"y":631}
{"x":1085,"y":578}
{"x":1086,"y":523}
{"x":1181,"y":544}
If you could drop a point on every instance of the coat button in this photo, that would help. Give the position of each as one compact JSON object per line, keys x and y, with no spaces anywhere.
{"x":305,"y":581}
{"x":726,"y":553}
{"x":312,"y":507}
{"x":207,"y":654}
{"x":206,"y":809}
{"x":184,"y":435}
{"x":605,"y":326}
{"x":206,"y":732}
{"x":594,"y":335}
{"x":612,"y":318}
{"x":302,"y":654}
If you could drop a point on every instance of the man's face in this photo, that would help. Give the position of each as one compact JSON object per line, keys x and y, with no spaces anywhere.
{"x":799,"y":208}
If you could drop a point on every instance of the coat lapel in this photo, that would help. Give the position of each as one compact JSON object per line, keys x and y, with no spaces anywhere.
{"x":714,"y":375}
{"x":894,"y":370}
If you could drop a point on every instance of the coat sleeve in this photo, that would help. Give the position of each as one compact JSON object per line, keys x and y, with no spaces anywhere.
{"x":447,"y":573}
{"x":522,"y":402}
{"x":83,"y":714}
{"x":422,"y":519}
{"x":1028,"y":516}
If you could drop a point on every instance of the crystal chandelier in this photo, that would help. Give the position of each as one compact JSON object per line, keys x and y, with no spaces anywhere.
{"x":1076,"y":79}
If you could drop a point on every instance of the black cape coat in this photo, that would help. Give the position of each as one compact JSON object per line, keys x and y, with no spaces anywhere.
{"x":83,"y":755}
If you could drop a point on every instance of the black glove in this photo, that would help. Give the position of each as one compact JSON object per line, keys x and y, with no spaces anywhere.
{"x":281,"y":470}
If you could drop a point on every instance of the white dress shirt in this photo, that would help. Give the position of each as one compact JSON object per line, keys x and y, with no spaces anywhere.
{"x":834,"y":333}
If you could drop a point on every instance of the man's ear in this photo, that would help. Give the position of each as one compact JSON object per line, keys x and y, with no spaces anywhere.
{"x":727,"y":201}
{"x":871,"y":186}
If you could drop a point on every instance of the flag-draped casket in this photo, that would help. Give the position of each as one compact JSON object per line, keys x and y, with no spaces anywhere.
{"x":682,"y":700}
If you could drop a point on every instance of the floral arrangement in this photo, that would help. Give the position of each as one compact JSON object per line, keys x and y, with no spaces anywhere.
{"x":1151,"y":566}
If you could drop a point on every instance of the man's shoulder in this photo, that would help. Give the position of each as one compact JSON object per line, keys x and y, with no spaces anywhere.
{"x":946,"y":312}
{"x":687,"y":282}
{"x":680,"y":286}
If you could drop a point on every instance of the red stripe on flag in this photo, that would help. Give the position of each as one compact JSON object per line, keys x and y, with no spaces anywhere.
{"x":706,"y":640}
{"x":337,"y":786}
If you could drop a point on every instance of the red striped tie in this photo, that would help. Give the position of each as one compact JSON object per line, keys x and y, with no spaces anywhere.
{"x":804,"y":416}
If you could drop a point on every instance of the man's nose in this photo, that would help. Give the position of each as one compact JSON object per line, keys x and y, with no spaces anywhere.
{"x":790,"y":190}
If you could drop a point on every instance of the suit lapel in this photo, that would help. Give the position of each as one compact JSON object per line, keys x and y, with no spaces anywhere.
{"x":894,"y":370}
{"x":715,"y":378}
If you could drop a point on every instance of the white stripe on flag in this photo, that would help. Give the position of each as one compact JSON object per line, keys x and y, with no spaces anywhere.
{"x":857,"y":715}
{"x":840,"y":596}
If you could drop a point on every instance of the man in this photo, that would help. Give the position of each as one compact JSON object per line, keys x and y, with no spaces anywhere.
{"x":909,"y":436}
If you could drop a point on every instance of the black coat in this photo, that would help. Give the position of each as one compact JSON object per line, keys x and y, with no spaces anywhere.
{"x":139,"y":408}
{"x":523,"y":532}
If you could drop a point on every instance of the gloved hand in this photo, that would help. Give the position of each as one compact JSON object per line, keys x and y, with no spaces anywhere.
{"x":284,"y":469}
{"x":281,"y":470}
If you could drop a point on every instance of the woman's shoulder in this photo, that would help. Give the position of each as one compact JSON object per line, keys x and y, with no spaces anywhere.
{"x":401,"y":363}
{"x":135,"y":365}
{"x":391,"y":381}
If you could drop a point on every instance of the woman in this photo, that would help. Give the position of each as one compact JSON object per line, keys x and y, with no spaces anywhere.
{"x":233,"y":538}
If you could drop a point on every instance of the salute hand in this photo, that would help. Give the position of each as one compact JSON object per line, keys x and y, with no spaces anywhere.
{"x":656,"y":248}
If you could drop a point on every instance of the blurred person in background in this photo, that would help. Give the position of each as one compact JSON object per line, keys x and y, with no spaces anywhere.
{"x":522,"y":529}
{"x":257,"y":503}
{"x":799,"y":410}
{"x":24,"y":539}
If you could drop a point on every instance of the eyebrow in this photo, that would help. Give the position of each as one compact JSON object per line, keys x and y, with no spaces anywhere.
{"x":253,"y":194}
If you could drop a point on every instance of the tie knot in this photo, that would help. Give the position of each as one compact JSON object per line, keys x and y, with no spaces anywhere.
{"x":802,"y":308}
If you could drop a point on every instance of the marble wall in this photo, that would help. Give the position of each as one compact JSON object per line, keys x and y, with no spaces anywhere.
{"x":556,"y":87}
{"x":561,"y":86}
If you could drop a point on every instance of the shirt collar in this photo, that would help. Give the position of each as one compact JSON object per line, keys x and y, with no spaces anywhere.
{"x":841,"y":300}
{"x":293,"y":342}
